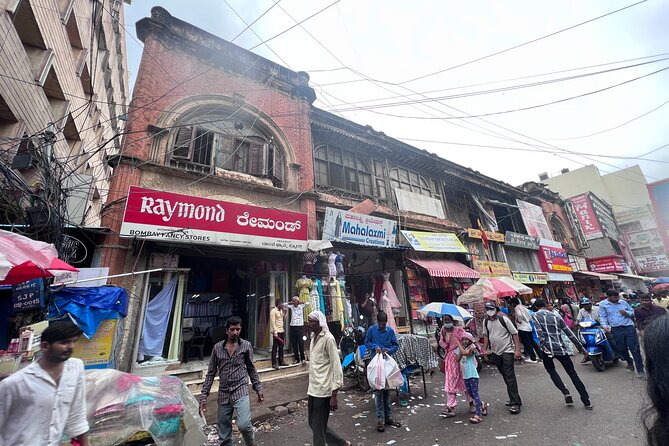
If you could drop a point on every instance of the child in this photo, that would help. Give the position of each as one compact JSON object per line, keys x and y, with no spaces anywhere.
{"x":466,"y":355}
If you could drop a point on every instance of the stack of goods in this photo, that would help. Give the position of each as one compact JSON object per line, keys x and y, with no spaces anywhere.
{"x":417,"y":292}
{"x":124,"y":407}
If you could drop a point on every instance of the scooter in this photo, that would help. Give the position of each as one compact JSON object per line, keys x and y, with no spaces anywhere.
{"x":353,"y":353}
{"x":596,"y":344}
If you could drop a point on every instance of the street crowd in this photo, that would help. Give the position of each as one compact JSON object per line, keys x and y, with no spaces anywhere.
{"x":543,"y":332}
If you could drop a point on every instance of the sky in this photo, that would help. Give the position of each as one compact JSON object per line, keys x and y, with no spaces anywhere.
{"x":510,"y":89}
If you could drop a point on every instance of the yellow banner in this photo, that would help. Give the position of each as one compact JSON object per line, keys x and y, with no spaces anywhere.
{"x":434,"y":241}
{"x":498,"y":268}
{"x":492,"y":236}
{"x":97,"y":350}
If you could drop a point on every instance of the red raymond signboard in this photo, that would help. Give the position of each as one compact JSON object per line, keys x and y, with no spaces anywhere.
{"x":165,"y":216}
{"x":554,"y":260}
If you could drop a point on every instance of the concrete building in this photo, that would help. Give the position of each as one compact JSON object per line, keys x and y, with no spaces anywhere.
{"x":63,"y":101}
{"x":634,"y":233}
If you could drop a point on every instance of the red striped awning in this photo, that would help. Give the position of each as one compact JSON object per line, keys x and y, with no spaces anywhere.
{"x":447,"y":268}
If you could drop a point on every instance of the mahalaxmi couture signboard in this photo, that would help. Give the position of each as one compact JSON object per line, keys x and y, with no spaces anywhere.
{"x":360,"y":229}
{"x":165,"y":216}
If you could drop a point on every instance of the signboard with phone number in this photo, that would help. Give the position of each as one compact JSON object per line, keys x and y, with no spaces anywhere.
{"x":27,"y":296}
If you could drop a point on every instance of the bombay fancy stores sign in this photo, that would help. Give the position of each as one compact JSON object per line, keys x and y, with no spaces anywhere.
{"x":554,"y":259}
{"x":166,"y":216}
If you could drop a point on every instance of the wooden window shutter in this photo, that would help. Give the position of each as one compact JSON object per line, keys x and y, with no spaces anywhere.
{"x":183,"y":143}
{"x":277,"y":166}
{"x":258,"y":159}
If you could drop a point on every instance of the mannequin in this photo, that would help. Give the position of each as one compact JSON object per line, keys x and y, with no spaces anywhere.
{"x":332,"y":268}
{"x":303,"y":286}
{"x":308,"y":259}
{"x":345,"y":301}
{"x":337,"y":304}
{"x":327,"y":301}
{"x":386,"y":308}
{"x":390,"y":291}
{"x":339,"y":263}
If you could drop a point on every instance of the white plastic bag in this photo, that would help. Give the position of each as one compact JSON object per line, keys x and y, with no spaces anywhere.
{"x":384,"y":373}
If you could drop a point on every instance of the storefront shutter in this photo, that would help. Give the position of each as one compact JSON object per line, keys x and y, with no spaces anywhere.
{"x":183,"y":143}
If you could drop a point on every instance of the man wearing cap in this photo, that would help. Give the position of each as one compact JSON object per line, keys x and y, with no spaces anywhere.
{"x":617,"y":316}
{"x":550,"y":327}
{"x":501,"y":344}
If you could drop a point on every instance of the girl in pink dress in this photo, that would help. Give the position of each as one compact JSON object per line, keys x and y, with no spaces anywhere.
{"x":453,"y":384}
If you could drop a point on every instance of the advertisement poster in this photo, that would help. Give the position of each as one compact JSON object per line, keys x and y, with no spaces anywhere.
{"x":586,"y":217}
{"x":360,"y":229}
{"x":96,"y":352}
{"x":156,"y":215}
{"x":635,"y":219}
{"x":649,"y":264}
{"x":434,"y":241}
{"x":531,"y":278}
{"x":659,"y":196}
{"x":554,"y":259}
{"x":535,"y":222}
{"x":608,"y":264}
{"x":604,"y":214}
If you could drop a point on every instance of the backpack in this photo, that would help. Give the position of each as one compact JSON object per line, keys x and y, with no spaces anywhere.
{"x":501,"y":321}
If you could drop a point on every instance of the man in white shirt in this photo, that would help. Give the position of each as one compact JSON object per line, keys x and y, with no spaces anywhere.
{"x":48,"y":398}
{"x":297,"y":329}
{"x":325,"y":379}
{"x":277,"y":317}
{"x":522,"y":316}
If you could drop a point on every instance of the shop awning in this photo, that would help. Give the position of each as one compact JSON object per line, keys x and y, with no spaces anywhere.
{"x":560,"y":277}
{"x":447,"y":268}
{"x":634,"y":276}
{"x":600,"y":276}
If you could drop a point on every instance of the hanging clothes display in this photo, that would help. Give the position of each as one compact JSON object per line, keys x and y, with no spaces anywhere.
{"x":345,"y":301}
{"x":314,"y":296}
{"x":332,"y":266}
{"x":308,"y":259}
{"x":339,"y":264}
{"x":388,"y":288}
{"x":325,"y":295}
{"x":337,"y":304}
{"x":303,"y":286}
{"x":386,"y":307}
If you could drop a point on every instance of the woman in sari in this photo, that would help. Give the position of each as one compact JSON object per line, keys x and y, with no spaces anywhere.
{"x":450,"y":337}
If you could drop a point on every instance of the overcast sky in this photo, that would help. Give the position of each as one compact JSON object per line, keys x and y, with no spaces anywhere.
{"x":410,"y":69}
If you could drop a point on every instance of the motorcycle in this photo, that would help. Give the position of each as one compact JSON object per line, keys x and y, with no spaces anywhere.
{"x":352,"y":348}
{"x":596,"y":344}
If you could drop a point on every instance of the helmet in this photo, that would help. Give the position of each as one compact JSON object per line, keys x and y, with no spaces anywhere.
{"x":585,"y":301}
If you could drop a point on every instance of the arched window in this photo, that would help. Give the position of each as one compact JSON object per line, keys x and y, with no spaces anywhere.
{"x":342,"y":169}
{"x":560,"y":232}
{"x":234,"y":145}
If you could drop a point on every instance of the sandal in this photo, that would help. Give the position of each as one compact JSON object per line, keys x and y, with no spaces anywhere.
{"x":484,"y":408}
{"x":475,"y":420}
{"x":393,"y":423}
{"x":381,"y":426}
{"x":472,"y":408}
{"x":515,"y":410}
{"x":448,"y":413}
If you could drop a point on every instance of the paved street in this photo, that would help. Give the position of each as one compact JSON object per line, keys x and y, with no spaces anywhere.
{"x":617,"y":395}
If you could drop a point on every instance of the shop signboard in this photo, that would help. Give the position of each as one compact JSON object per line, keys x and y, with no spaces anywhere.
{"x":434,"y":241}
{"x":648,"y":264}
{"x":586,"y":217}
{"x":519,"y":240}
{"x":498,"y":268}
{"x":644,"y":240}
{"x":659,"y":196}
{"x":635,"y":219}
{"x":575,"y":224}
{"x":360,"y":229}
{"x":554,"y":259}
{"x":96,"y":351}
{"x":28,"y":295}
{"x":604,"y":213}
{"x":578,"y":263}
{"x":165,"y":216}
{"x":531,"y":278}
{"x":535,"y":222}
{"x":492,"y":236}
{"x":607,"y":264}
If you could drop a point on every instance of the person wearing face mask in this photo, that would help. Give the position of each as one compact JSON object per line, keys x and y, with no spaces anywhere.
{"x":451,"y":336}
{"x":501,"y":345}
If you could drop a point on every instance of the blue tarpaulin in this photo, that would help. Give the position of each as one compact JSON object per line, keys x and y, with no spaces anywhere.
{"x":89,"y":306}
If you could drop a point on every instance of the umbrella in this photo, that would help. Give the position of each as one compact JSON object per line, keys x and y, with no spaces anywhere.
{"x":493,"y":288}
{"x":22,"y":259}
{"x":660,"y":287}
{"x":436,"y":309}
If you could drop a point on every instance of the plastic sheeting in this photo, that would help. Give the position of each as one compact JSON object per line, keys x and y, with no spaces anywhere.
{"x":89,"y":306}
{"x":156,"y":321}
{"x":119,"y":405}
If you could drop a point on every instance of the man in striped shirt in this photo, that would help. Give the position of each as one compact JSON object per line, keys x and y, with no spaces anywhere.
{"x":232,"y":358}
{"x":549,"y":327}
